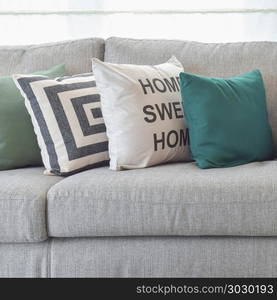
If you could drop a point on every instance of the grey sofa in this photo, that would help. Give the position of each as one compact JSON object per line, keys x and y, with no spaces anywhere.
{"x":172,"y":220}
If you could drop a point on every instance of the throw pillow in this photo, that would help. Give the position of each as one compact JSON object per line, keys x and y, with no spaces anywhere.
{"x":143,"y":113}
{"x":18,"y":143}
{"x":67,"y":118}
{"x":227,"y":119}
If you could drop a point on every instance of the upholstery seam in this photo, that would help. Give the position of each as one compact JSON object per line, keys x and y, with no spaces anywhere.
{"x":49,"y":259}
{"x":18,"y":241}
{"x":166,"y":204}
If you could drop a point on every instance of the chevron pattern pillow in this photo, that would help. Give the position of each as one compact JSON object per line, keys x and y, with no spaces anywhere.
{"x":67,"y":119}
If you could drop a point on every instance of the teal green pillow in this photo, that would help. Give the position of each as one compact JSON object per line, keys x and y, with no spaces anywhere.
{"x":18,"y":143}
{"x":227,"y":119}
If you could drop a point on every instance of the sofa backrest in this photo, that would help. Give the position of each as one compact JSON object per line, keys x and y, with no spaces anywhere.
{"x":212,"y":59}
{"x":75,"y":54}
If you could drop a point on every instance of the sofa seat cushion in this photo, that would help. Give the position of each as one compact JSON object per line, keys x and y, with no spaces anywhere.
{"x":172,"y":199}
{"x":22,"y":204}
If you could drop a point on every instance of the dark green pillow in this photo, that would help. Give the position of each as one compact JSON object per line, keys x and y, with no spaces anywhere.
{"x":18,"y":143}
{"x":227,"y":119}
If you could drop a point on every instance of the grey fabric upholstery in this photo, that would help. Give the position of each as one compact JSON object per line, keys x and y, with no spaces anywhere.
{"x":210,"y":59}
{"x":75,"y":54}
{"x":164,"y":257}
{"x":23,"y":204}
{"x":142,"y":257}
{"x":24,"y":260}
{"x":173,"y":199}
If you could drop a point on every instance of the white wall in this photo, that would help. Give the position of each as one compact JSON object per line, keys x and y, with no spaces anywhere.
{"x":36,"y":21}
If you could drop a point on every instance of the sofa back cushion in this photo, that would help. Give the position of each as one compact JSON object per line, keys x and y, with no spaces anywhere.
{"x":214,"y":60}
{"x":75,"y":54}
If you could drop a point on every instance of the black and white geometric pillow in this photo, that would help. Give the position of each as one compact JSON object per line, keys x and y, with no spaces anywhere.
{"x":67,"y":119}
